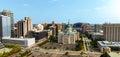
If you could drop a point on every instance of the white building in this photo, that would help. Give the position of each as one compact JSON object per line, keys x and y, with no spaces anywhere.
{"x":103,"y":45}
{"x":69,"y":36}
{"x":38,"y":28}
{"x":25,"y":42}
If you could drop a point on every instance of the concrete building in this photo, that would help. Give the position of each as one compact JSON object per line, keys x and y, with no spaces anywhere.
{"x":11,"y":15}
{"x":85,"y":27}
{"x":98,"y":27}
{"x":112,"y":32}
{"x":69,"y":36}
{"x":39,"y":35}
{"x":59,"y":27}
{"x":23,"y":27}
{"x":5,"y":33}
{"x":29,"y":23}
{"x":108,"y":46}
{"x":55,"y":28}
{"x":97,"y":35}
{"x":5,"y":26}
{"x":91,"y":29}
{"x":25,"y":42}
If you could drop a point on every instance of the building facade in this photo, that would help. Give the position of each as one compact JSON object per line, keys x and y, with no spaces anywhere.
{"x":9,"y":14}
{"x":55,"y":28}
{"x":5,"y":26}
{"x":24,"y":42}
{"x":112,"y":32}
{"x":98,"y":27}
{"x":23,"y":27}
{"x":69,"y":36}
{"x":97,"y":35}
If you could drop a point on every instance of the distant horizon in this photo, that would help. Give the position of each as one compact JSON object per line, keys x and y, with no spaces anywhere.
{"x":46,"y":11}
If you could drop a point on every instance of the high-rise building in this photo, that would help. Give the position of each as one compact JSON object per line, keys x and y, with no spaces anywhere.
{"x":112,"y":32}
{"x":9,"y":14}
{"x":24,"y":26}
{"x":5,"y":26}
{"x":29,"y":23}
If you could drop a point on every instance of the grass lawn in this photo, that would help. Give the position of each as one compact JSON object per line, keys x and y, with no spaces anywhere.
{"x":50,"y":45}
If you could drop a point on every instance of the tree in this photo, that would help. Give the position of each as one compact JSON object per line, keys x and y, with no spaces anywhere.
{"x":79,"y":45}
{"x":89,"y":36}
{"x":52,"y":38}
{"x":105,"y":55}
{"x":66,"y":53}
{"x":54,"y":47}
{"x":67,"y":48}
{"x":94,"y":43}
{"x":15,"y":49}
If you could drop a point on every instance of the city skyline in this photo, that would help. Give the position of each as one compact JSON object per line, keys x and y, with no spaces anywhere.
{"x":90,"y":11}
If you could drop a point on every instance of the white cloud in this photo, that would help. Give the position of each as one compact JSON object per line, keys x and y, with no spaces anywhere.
{"x":99,"y":8}
{"x":25,"y":4}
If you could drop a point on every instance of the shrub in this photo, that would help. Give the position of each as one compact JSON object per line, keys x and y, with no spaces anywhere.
{"x":43,"y":43}
{"x":66,"y":53}
{"x":15,"y":49}
{"x":54,"y":47}
{"x":25,"y":54}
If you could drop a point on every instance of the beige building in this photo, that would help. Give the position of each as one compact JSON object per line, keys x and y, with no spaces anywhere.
{"x":69,"y":36}
{"x":112,"y":32}
{"x":23,"y":27}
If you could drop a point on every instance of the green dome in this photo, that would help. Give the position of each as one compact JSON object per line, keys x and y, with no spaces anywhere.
{"x":68,"y":26}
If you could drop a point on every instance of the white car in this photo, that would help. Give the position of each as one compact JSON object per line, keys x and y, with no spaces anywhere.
{"x":36,"y":49}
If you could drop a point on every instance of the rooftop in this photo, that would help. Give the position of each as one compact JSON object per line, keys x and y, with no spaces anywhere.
{"x":109,"y":44}
{"x":97,"y":33}
{"x":67,"y":33}
{"x":19,"y":38}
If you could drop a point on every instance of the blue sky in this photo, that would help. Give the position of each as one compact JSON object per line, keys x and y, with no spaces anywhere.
{"x":45,"y":11}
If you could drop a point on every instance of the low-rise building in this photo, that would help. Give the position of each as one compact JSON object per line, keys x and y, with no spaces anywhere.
{"x":108,"y":45}
{"x":24,"y":42}
{"x":97,"y":36}
{"x":40,"y":35}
